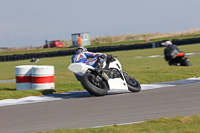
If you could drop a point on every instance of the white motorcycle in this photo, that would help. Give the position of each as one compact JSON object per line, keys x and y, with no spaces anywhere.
{"x":107,"y":75}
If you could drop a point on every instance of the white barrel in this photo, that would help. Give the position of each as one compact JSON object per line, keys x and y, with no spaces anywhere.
{"x":43,"y":77}
{"x":23,"y":77}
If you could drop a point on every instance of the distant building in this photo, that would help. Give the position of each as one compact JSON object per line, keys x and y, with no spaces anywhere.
{"x":81,"y":39}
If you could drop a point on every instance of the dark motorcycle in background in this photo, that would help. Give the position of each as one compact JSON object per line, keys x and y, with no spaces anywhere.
{"x":179,"y":59}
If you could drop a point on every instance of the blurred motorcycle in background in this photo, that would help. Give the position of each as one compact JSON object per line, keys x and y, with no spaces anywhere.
{"x":179,"y":59}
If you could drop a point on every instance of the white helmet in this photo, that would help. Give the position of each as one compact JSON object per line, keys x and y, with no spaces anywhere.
{"x":168,"y":43}
{"x":81,"y":50}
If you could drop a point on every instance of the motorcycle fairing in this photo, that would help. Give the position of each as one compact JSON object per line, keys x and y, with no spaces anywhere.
{"x":116,"y":64}
{"x":79,"y":68}
{"x":117,"y":83}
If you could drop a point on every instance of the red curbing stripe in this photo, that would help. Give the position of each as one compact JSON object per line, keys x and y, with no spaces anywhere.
{"x":23,"y":79}
{"x":42,"y":79}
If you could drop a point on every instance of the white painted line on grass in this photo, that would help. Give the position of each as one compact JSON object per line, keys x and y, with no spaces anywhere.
{"x":7,"y":81}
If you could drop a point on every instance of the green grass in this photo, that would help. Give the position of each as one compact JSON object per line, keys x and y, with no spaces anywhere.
{"x":177,"y":124}
{"x":39,"y":50}
{"x":145,"y":70}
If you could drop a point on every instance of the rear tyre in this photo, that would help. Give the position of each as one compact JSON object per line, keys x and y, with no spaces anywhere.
{"x":93,"y":85}
{"x":133,"y":85}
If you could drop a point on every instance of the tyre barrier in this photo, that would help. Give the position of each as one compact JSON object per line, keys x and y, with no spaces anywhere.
{"x":23,"y":77}
{"x":98,"y":49}
{"x":34,"y":77}
{"x":186,"y":41}
{"x":43,"y":77}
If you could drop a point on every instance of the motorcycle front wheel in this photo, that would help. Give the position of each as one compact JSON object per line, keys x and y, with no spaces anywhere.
{"x":93,"y":85}
{"x":133,"y":85}
{"x":186,"y":62}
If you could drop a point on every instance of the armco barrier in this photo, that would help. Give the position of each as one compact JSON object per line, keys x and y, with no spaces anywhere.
{"x":97,"y":49}
{"x":34,"y":77}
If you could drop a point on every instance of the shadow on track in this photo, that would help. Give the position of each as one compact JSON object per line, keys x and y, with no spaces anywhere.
{"x":83,"y":94}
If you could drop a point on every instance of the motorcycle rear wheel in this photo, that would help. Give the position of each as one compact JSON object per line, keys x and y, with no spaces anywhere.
{"x":93,"y":86}
{"x":133,"y":84}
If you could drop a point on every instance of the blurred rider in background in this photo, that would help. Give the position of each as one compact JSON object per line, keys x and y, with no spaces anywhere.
{"x":170,"y":51}
{"x":83,"y":56}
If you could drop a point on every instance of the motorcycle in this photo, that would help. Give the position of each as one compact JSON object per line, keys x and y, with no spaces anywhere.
{"x":106,"y":75}
{"x":179,"y":59}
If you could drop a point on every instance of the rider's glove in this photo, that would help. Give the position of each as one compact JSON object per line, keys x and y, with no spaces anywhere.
{"x":110,"y":57}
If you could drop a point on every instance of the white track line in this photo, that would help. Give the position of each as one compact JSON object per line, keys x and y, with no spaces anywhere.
{"x":128,"y":123}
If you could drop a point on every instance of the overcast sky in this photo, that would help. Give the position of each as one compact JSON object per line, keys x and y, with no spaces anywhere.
{"x":29,"y":22}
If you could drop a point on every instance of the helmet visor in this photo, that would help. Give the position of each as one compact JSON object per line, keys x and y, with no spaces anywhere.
{"x":78,"y":51}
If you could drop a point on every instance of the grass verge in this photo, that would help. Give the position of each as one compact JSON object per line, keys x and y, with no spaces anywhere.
{"x":177,"y":124}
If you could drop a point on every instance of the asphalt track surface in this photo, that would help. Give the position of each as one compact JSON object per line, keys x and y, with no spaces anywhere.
{"x":98,"y":111}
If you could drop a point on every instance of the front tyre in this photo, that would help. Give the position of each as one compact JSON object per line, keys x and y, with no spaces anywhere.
{"x":186,"y":62}
{"x":94,"y":85}
{"x":133,"y":85}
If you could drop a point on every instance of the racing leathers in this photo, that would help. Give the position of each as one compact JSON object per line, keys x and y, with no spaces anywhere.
{"x":170,"y":51}
{"x":84,"y":58}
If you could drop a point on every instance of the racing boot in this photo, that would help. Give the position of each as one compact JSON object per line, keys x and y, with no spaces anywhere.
{"x":99,"y":66}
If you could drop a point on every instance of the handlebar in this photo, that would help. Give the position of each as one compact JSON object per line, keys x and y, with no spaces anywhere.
{"x":111,"y":57}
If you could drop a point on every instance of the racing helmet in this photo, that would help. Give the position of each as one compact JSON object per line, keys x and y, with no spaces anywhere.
{"x":81,"y":50}
{"x":168,"y":43}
